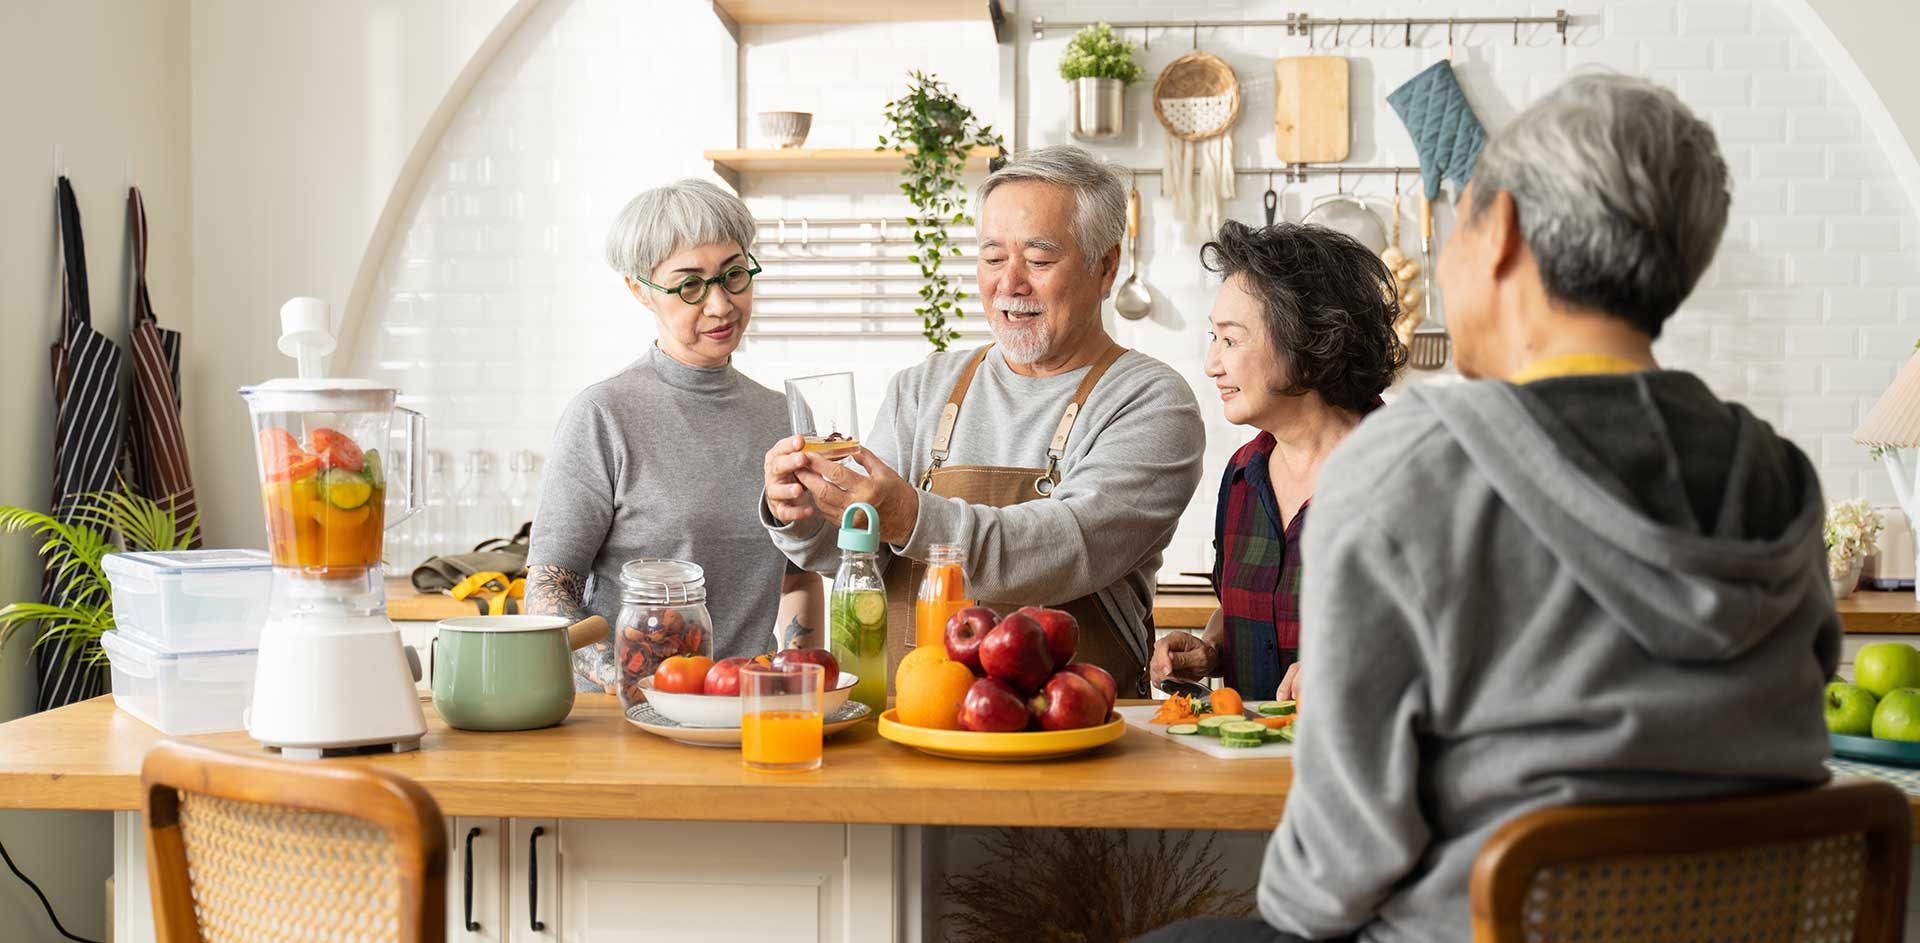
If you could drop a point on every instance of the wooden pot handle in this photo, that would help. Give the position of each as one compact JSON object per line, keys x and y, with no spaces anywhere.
{"x":587,"y":631}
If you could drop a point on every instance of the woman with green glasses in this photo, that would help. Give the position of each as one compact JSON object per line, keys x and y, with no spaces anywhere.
{"x":663,"y":458}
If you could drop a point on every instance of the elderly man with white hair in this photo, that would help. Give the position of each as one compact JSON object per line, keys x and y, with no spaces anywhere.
{"x":1057,"y":460}
{"x":1581,"y":579}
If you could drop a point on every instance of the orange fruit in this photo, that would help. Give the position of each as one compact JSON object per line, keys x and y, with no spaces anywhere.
{"x":928,"y":688}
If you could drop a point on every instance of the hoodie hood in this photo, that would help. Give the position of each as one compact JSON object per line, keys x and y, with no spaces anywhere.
{"x":1693,"y":525}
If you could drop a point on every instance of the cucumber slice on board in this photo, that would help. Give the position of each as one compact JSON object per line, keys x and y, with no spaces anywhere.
{"x":1211,"y":725}
{"x":1238,"y":743}
{"x":1241,"y":728}
{"x":1183,"y":730}
{"x":1288,"y":732}
{"x":1278,"y":708}
{"x":1274,"y":736}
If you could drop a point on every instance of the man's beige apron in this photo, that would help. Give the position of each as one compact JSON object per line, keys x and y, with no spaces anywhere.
{"x":999,"y":487}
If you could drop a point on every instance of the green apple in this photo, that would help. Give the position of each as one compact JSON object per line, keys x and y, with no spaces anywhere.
{"x":1898,"y":716}
{"x":1883,"y":666}
{"x":1850,"y":709}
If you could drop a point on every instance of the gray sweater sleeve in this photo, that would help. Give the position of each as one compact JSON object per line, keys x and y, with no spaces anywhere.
{"x":1353,"y":826}
{"x":1127,"y":492}
{"x":576,"y":490}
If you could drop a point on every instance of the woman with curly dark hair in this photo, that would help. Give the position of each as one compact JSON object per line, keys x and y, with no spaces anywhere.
{"x":1302,"y":346}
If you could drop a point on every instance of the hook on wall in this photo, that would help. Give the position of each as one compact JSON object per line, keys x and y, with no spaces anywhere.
{"x":1196,"y":36}
{"x":1516,"y":31}
{"x":1449,"y":40}
{"x":1146,"y":38}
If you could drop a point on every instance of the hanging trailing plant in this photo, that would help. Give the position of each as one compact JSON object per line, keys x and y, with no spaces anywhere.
{"x":936,"y":132}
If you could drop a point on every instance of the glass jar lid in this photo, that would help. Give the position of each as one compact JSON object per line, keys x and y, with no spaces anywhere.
{"x":658,"y":582}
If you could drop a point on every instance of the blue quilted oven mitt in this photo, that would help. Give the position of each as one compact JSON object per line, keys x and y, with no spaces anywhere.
{"x":1446,"y":133}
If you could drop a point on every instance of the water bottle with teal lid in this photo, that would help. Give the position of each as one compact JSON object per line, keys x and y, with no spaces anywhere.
{"x":858,"y":610}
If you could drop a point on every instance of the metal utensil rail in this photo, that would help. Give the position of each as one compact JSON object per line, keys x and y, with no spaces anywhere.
{"x":1306,"y":24}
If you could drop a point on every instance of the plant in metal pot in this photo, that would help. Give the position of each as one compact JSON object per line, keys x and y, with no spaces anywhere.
{"x":1098,"y":67}
{"x":72,"y":546}
{"x":935,"y":132}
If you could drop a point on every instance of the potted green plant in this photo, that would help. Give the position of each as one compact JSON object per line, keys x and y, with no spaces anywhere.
{"x":1098,"y":67}
{"x":72,"y":550}
{"x":1852,"y":534}
{"x":935,"y":132}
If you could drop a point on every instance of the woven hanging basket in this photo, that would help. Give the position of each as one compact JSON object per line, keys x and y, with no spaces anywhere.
{"x":1186,"y":96}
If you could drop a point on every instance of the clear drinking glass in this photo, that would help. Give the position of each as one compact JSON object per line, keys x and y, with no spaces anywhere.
{"x":822,"y":409}
{"x":781,"y":723}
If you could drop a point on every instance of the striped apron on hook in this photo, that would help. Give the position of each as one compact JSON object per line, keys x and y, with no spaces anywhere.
{"x":156,"y":443}
{"x":87,"y":427}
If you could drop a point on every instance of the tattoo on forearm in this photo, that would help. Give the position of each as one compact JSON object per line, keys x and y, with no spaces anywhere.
{"x":553,"y":590}
{"x":796,"y":635}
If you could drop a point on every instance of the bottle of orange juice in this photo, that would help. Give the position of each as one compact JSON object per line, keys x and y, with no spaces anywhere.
{"x":943,"y":592}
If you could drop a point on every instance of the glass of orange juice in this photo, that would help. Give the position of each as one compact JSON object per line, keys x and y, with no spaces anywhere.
{"x":943,"y":592}
{"x":781,"y":718}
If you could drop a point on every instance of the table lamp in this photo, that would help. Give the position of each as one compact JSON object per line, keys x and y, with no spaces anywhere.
{"x":1892,"y":427}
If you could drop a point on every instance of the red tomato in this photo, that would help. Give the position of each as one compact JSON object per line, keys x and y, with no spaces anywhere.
{"x":337,"y":451}
{"x":281,"y":457}
{"x":683,"y":674}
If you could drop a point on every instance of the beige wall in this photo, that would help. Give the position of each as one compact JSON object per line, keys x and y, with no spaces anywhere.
{"x":303,"y":114}
{"x":1878,"y":35}
{"x":107,"y":82}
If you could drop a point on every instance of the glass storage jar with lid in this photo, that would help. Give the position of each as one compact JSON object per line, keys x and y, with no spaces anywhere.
{"x":663,"y":613}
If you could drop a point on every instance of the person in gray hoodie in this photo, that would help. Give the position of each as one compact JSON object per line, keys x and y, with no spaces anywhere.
{"x":1579,"y":579}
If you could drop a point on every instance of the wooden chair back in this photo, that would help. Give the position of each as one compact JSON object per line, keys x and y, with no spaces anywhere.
{"x":1828,"y":863}
{"x":252,"y":848}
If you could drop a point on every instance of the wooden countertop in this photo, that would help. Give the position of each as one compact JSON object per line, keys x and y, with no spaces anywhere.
{"x":87,"y":756}
{"x":1864,"y":613}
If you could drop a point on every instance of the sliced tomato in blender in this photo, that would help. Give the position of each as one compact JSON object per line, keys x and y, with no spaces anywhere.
{"x":337,"y":451}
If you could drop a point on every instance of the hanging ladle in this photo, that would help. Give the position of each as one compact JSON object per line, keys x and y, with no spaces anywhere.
{"x":1133,"y":301}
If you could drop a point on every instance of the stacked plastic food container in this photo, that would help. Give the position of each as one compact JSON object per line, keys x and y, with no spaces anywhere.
{"x":187,"y":635}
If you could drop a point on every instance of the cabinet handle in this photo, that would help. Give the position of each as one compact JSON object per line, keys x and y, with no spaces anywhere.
{"x":533,"y":879}
{"x":467,"y":882}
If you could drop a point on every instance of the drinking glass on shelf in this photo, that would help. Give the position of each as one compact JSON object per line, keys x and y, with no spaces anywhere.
{"x":822,"y":409}
{"x":781,"y":724}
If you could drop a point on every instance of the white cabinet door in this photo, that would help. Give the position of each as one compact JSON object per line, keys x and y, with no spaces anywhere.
{"x":476,"y":880}
{"x":638,"y":882}
{"x":533,"y":880}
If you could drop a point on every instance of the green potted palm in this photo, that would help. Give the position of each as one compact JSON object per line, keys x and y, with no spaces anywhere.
{"x":1098,"y":67}
{"x":72,"y":547}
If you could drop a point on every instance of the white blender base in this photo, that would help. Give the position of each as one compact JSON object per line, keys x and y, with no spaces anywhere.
{"x":347,"y":687}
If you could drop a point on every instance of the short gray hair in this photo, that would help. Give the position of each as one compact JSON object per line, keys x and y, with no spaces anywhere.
{"x":1099,"y":195}
{"x":1620,"y":190}
{"x":680,"y":215}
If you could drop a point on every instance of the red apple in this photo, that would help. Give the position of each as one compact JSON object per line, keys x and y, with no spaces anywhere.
{"x":1068,"y":702}
{"x":992,"y":707}
{"x":1099,"y":678}
{"x":1063,"y":632}
{"x":812,"y":656}
{"x":965,"y":631}
{"x":1016,"y":652}
{"x":723,"y":678}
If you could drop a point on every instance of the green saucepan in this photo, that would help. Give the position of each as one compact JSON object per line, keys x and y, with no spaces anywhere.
{"x":507,"y":672}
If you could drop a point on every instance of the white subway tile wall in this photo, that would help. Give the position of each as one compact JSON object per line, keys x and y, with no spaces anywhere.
{"x":495,"y":307}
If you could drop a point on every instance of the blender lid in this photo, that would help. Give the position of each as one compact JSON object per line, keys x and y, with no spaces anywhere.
{"x":181,"y":561}
{"x":318,"y":385}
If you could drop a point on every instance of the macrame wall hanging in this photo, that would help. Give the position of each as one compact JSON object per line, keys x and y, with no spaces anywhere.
{"x":1197,"y":99}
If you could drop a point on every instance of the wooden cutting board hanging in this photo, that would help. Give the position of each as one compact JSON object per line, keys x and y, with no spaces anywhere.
{"x":1310,"y":119}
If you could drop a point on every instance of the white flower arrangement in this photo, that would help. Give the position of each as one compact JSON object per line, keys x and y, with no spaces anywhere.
{"x":1852,"y":534}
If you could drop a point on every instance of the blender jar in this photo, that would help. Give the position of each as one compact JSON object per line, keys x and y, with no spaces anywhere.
{"x":663,"y":613}
{"x":325,"y":464}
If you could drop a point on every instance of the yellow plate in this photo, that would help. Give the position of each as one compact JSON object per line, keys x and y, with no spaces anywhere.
{"x":1027,"y":745}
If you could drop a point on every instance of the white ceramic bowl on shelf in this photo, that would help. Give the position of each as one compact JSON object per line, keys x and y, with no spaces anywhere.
{"x":714,"y":710}
{"x":785,"y":128}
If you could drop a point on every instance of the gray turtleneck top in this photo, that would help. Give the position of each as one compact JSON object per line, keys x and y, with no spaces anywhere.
{"x":664,"y":460}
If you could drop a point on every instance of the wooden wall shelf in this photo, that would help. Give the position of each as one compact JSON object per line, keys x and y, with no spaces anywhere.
{"x":730,"y":164}
{"x":850,"y":11}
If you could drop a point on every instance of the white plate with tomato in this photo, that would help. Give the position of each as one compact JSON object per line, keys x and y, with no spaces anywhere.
{"x":693,"y":691}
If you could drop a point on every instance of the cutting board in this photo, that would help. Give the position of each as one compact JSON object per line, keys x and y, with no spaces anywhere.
{"x":1137,"y":717}
{"x":1310,"y":119}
